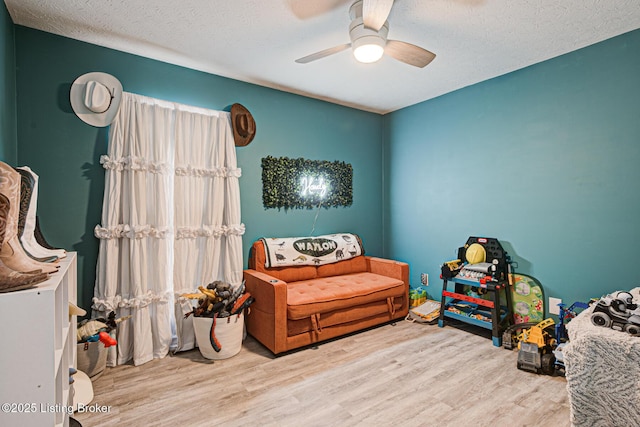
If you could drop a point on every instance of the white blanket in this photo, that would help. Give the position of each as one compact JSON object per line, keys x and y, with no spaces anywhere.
{"x":603,"y":373}
{"x":292,"y":251}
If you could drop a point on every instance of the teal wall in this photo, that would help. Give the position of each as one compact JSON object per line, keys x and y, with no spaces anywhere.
{"x":8,"y":147}
{"x":546,"y":159}
{"x":65,"y":151}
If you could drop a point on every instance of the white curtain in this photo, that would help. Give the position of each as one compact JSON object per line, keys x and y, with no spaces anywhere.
{"x":170,"y":222}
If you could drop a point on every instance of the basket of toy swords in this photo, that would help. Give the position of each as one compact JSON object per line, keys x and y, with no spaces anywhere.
{"x":93,"y":339}
{"x":218,"y":320}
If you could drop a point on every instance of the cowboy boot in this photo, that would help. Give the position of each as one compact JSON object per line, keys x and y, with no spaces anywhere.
{"x":11,"y":280}
{"x":31,"y":238}
{"x":37,"y":232}
{"x":18,"y":281}
{"x":26,"y":187}
{"x":11,"y":252}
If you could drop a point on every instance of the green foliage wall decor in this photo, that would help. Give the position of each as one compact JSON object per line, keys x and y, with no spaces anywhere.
{"x":301,"y":183}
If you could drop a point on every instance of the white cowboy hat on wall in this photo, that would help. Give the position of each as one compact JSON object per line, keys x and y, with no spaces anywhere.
{"x":95,"y":98}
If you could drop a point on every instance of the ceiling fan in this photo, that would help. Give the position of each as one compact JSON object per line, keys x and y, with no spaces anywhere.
{"x":368,"y":32}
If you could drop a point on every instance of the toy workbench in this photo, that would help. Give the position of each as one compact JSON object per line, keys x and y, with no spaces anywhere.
{"x":479,"y":276}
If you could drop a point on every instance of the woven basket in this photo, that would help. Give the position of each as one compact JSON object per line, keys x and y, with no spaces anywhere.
{"x":229,"y":332}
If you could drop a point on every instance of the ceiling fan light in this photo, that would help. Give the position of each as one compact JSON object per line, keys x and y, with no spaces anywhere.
{"x":368,"y":53}
{"x":368,"y":49}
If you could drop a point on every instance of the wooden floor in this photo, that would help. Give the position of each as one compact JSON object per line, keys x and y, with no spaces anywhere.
{"x":402,"y":374}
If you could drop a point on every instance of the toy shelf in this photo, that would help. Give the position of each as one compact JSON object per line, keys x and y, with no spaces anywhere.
{"x":471,"y":309}
{"x":488,"y":308}
{"x":40,"y":347}
{"x":487,"y":285}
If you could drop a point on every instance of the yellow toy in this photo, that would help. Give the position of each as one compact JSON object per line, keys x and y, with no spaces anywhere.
{"x":192,"y":296}
{"x":537,"y":334}
{"x":456,"y":264}
{"x":536,"y":347}
{"x":476,"y":254}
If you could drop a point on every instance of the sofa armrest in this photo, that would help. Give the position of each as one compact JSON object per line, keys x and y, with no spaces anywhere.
{"x":390,"y":268}
{"x":267,"y":320}
{"x":268,"y":291}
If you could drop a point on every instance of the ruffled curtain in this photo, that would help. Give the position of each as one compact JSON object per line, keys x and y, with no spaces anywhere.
{"x":170,"y":222}
{"x":208,"y":232}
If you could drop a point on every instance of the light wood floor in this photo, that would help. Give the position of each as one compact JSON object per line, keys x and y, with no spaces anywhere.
{"x":402,"y":374}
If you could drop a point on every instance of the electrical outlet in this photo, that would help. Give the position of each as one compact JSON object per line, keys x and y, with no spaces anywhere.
{"x":424,"y":279}
{"x":553,"y":305}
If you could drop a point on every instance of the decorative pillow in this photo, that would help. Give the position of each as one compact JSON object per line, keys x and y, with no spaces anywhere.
{"x":295,"y":251}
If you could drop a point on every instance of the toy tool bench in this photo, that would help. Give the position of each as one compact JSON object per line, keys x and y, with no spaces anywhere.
{"x":479,"y":275}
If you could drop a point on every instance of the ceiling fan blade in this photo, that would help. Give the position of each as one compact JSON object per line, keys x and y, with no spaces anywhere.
{"x":307,"y":9}
{"x":409,"y":53}
{"x":323,"y":53}
{"x":376,"y":12}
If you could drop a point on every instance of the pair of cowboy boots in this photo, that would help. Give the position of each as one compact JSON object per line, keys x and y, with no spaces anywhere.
{"x":29,"y":232}
{"x":17,"y":269}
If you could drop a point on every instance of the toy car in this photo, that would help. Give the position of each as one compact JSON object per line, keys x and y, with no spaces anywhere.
{"x":617,"y":312}
{"x":536,"y":346}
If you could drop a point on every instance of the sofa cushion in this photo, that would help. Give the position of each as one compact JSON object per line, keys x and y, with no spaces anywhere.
{"x":292,"y":274}
{"x":257,"y":261}
{"x":322,"y":295}
{"x":348,"y":266}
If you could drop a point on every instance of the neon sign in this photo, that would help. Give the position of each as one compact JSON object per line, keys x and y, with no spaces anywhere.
{"x":313,"y":186}
{"x":301,"y":183}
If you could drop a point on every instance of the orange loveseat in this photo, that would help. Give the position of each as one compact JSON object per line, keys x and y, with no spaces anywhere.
{"x":300,"y":305}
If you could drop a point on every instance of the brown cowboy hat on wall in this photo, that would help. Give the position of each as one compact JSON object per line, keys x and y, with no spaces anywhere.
{"x":244,"y":127}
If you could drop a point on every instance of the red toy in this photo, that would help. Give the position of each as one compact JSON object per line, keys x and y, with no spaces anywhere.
{"x":106,"y":339}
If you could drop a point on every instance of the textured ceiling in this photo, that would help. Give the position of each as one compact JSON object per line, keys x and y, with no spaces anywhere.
{"x":258,"y":41}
